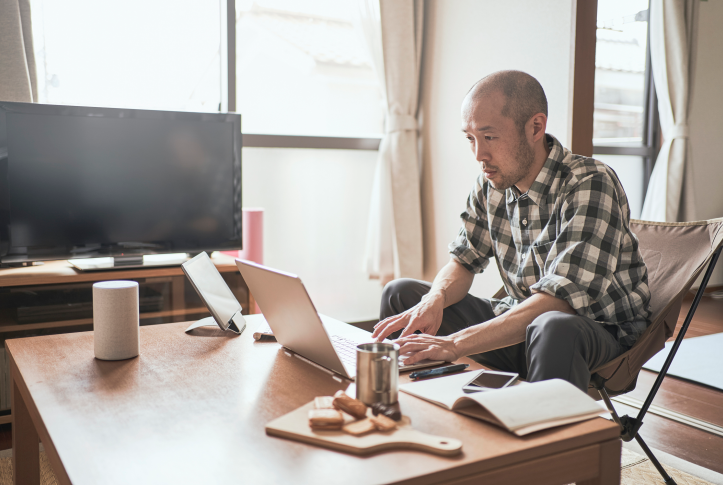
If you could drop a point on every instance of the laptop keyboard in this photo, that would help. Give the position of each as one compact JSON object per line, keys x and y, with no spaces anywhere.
{"x":346,"y":349}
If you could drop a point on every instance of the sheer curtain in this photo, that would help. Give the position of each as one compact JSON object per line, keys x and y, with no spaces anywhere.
{"x":393,"y":33}
{"x":671,"y":195}
{"x":17,"y":60}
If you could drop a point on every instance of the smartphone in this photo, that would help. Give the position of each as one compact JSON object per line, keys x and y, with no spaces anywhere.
{"x":490,"y":379}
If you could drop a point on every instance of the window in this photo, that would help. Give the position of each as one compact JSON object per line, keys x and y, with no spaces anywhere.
{"x":302,"y":69}
{"x":625,"y":115}
{"x":132,"y":54}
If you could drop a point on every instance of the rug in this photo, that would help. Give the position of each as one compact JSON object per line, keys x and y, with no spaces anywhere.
{"x":636,"y":469}
{"x":47,"y":477}
{"x":699,"y":359}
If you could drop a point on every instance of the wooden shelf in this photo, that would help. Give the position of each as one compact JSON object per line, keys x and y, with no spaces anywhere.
{"x":19,"y":327}
{"x":8,"y":418}
{"x":59,"y":272}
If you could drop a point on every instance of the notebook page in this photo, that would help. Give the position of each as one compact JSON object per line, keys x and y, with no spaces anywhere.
{"x":539,"y":402}
{"x":442,"y":391}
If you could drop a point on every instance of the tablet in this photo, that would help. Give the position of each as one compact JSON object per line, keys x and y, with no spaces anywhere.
{"x":215,"y":293}
{"x":490,"y":379}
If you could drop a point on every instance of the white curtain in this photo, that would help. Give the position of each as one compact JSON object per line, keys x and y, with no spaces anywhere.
{"x":17,"y":60}
{"x":393,"y":33}
{"x":673,"y":24}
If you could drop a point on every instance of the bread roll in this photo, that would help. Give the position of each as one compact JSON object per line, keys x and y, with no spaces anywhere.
{"x":350,"y":405}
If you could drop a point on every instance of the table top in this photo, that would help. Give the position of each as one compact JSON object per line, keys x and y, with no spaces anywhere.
{"x":192,"y":409}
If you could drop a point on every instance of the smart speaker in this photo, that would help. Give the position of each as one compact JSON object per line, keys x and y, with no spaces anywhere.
{"x":115,"y":320}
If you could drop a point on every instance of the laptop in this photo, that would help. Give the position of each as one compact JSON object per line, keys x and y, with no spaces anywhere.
{"x":297,"y":326}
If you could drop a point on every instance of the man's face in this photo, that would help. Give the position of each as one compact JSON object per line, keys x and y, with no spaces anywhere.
{"x":504,"y":154}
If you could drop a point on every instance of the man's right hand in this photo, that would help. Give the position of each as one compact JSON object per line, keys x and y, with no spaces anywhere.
{"x":426,"y":317}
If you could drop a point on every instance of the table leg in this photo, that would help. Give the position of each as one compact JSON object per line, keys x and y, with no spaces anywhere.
{"x":26,"y":456}
{"x":609,"y":465}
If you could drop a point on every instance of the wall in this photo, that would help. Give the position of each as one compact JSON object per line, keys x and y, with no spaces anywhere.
{"x":316,"y":207}
{"x":464,"y":41}
{"x":706,"y":117}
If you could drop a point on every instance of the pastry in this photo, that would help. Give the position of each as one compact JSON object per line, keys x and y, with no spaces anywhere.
{"x":348,"y":418}
{"x":330,"y":427}
{"x":383,"y":423}
{"x":324,"y":402}
{"x":359,"y":428}
{"x":325,"y":419}
{"x":350,"y":405}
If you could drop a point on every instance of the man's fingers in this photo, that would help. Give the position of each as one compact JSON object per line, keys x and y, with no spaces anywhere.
{"x":390,"y":327}
{"x":421,"y":355}
{"x":408,"y":338}
{"x":386,"y":320}
{"x":381,"y":326}
{"x":383,"y":332}
{"x":414,"y":325}
{"x":413,"y":347}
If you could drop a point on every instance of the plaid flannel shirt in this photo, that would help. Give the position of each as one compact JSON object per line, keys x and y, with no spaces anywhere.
{"x":568,"y":236}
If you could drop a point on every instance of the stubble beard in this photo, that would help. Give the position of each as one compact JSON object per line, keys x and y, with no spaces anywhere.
{"x":525,"y":158}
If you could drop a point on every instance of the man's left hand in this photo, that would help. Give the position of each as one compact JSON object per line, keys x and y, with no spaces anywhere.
{"x":423,"y":346}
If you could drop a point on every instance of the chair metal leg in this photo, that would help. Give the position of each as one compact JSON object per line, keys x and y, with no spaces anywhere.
{"x":666,"y":478}
{"x":630,"y":426}
{"x":611,"y":408}
{"x":678,"y":340}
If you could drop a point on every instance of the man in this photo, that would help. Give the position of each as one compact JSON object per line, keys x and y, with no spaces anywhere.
{"x":557,"y":225}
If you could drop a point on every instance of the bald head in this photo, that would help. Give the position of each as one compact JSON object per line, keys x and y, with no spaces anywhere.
{"x":524,"y":94}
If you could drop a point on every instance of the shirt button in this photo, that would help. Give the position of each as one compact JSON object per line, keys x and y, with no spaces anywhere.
{"x":524,"y":222}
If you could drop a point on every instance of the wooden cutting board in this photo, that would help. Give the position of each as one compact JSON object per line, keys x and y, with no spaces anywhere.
{"x":295,"y":426}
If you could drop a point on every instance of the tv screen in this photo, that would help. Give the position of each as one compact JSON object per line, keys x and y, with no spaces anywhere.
{"x":78,"y":182}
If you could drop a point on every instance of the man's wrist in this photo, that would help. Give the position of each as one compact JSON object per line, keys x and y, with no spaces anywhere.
{"x":436,"y":297}
{"x":466,"y":342}
{"x":458,"y":344}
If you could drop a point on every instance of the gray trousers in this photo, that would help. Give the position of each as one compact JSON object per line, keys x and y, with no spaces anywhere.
{"x":557,"y":345}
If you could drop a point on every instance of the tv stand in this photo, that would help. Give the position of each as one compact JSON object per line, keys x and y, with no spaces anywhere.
{"x":23,"y":264}
{"x":57,"y":298}
{"x":127,"y":262}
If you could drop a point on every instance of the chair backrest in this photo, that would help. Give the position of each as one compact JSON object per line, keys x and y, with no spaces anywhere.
{"x":676,"y":253}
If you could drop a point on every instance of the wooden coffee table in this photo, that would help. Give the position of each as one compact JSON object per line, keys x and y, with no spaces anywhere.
{"x":192,"y":409}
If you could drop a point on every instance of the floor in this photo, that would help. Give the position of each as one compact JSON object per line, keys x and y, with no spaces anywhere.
{"x":699,"y":401}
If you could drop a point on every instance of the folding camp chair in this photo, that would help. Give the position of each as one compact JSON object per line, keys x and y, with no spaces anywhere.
{"x":675,"y":254}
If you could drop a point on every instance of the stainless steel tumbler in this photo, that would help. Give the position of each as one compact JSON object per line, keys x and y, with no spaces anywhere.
{"x":377,"y":373}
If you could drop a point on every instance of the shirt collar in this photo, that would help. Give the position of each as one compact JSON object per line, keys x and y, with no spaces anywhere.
{"x":541,"y":186}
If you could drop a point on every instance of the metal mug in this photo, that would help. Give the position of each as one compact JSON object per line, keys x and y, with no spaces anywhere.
{"x":377,"y":373}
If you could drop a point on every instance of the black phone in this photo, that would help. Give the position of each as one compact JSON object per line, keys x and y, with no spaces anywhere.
{"x":487,"y":380}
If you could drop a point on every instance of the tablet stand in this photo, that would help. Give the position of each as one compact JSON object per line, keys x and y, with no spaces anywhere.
{"x":236,"y":324}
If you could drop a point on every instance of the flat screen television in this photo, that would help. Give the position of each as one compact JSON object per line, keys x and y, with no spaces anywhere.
{"x":85,"y":182}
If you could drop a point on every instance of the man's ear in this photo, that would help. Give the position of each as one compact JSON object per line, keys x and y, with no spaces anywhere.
{"x":538,"y":125}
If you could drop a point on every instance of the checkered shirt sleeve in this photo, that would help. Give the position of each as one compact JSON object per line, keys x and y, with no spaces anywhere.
{"x":473,"y":246}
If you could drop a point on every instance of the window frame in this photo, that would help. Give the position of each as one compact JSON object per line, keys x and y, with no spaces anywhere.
{"x":650,"y":145}
{"x":648,"y":149}
{"x":260,"y":140}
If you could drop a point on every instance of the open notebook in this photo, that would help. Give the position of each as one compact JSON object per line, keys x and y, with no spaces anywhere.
{"x":521,"y":409}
